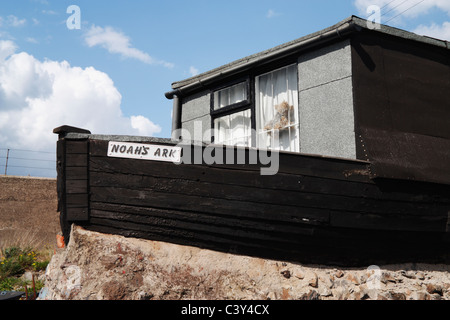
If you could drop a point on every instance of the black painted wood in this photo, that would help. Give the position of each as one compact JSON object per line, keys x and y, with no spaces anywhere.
{"x":76,"y":183}
{"x":315,"y":209}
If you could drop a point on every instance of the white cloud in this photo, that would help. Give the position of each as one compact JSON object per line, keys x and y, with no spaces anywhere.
{"x":15,"y":22}
{"x":116,"y":42}
{"x":144,"y":126}
{"x":391,"y":9}
{"x":435,"y":31}
{"x":271,"y":14}
{"x":7,"y":48}
{"x":405,"y":8}
{"x":49,"y":12}
{"x":193,"y":71}
{"x":12,"y":21}
{"x":38,"y":96}
{"x":31,"y":40}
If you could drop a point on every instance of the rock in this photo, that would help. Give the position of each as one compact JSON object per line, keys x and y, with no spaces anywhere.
{"x":381,"y":297}
{"x":419,"y":295}
{"x":298,"y":273}
{"x":326,"y":281}
{"x":313,"y":281}
{"x":144,"y":296}
{"x":272,"y":296}
{"x":387,"y":277}
{"x":311,"y":295}
{"x":408,"y":274}
{"x":101,"y":266}
{"x":420,"y":275}
{"x":340,"y":293}
{"x":325,"y":292}
{"x":398,"y":296}
{"x":27,"y":276}
{"x":114,"y":290}
{"x":285,"y":295}
{"x":435,"y":296}
{"x":434,"y":288}
{"x":352,"y":278}
{"x":361,"y":293}
{"x":339,"y":273}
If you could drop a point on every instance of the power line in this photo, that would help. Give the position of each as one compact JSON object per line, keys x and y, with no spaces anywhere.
{"x":28,"y":159}
{"x":406,"y":10}
{"x":387,"y":4}
{"x":394,"y":7}
{"x":18,"y":161}
{"x":23,"y":150}
{"x":32,"y":167}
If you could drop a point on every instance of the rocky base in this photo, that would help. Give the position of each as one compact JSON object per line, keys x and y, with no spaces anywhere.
{"x":97,"y":266}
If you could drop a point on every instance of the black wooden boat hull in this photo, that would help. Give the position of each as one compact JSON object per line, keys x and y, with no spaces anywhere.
{"x":314,"y":210}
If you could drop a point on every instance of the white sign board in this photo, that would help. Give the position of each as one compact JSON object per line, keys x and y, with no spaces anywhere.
{"x":144,"y":151}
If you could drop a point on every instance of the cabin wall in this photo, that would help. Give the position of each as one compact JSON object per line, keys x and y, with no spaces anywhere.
{"x":402,"y":107}
{"x":326,"y":102}
{"x":195,"y":117}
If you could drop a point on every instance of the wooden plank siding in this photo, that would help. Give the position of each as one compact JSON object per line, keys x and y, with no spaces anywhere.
{"x":314,"y":209}
{"x":76,"y":180}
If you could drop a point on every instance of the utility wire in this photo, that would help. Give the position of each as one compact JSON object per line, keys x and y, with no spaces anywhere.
{"x":394,"y":7}
{"x":387,"y":4}
{"x":31,"y":167}
{"x":406,"y":10}
{"x":28,"y":159}
{"x":23,"y":157}
{"x":23,"y":150}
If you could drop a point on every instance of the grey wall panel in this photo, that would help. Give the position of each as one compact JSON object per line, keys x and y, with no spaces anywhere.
{"x":326,"y":102}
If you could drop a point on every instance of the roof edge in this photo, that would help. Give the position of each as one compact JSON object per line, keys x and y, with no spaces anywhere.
{"x":339,"y":30}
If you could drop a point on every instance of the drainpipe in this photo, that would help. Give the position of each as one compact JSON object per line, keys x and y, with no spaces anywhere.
{"x":176,"y":116}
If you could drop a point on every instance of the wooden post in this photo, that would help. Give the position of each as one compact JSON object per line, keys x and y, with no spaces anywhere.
{"x":6,"y":165}
{"x":72,"y":180}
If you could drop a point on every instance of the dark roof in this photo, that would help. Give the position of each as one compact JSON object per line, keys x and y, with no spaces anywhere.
{"x":345,"y":27}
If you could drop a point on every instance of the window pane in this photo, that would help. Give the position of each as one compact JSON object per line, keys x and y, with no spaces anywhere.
{"x":234,"y":129}
{"x":277,"y":109}
{"x":231,"y":95}
{"x":237,"y":93}
{"x":221,"y":129}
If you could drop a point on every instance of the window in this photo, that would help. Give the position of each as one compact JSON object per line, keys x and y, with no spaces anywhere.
{"x":231,"y":114}
{"x":234,"y":129}
{"x":277,"y":124}
{"x":231,"y":95}
{"x":273,"y":116}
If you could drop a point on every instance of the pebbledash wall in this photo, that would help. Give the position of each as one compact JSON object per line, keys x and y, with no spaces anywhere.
{"x":325,"y":103}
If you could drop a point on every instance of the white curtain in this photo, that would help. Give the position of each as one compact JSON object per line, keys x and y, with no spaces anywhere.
{"x":233,"y":129}
{"x":273,"y":89}
{"x":229,"y":96}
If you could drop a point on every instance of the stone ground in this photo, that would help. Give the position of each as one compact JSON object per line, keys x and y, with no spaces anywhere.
{"x":97,"y":266}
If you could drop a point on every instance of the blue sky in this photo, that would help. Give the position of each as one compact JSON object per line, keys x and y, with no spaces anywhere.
{"x":110,"y":75}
